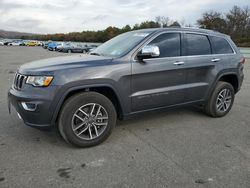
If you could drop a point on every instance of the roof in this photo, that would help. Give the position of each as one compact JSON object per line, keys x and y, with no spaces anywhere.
{"x":204,"y":31}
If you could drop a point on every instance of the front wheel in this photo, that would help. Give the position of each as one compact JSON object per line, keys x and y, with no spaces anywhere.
{"x":87,"y":119}
{"x":221,"y":100}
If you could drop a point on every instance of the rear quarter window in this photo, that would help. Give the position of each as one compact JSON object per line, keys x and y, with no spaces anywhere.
{"x":220,"y":45}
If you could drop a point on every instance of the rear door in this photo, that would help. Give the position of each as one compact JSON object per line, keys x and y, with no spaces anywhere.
{"x":224,"y":54}
{"x":200,"y":65}
{"x":159,"y":82}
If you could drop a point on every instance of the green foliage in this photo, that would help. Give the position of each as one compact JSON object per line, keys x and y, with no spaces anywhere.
{"x":93,"y":36}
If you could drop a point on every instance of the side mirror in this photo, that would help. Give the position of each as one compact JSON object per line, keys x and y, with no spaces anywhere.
{"x":149,"y":52}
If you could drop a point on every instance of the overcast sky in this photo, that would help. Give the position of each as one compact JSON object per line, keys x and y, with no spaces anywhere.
{"x":55,"y":16}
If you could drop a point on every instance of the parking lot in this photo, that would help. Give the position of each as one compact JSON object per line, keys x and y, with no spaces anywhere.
{"x":178,"y":148}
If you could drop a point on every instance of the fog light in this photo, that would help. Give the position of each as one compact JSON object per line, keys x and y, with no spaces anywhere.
{"x":28,"y":106}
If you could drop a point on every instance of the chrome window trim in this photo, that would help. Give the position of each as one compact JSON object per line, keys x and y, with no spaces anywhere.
{"x":181,"y":32}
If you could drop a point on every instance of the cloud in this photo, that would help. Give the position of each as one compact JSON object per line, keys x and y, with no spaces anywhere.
{"x":33,"y":25}
{"x":52,"y":16}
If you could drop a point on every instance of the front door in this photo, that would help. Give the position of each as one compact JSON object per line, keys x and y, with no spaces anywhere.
{"x":159,"y":82}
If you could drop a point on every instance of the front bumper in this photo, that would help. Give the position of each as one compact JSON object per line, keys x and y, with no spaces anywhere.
{"x":39,"y":112}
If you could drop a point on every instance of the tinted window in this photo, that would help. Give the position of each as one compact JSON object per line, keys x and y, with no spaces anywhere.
{"x":221,"y":46}
{"x":197,"y":45}
{"x":169,"y":44}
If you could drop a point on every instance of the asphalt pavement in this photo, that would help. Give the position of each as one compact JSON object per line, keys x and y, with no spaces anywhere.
{"x":181,"y":148}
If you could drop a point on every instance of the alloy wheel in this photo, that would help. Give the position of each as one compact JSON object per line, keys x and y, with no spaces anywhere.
{"x":89,"y":121}
{"x":224,"y":100}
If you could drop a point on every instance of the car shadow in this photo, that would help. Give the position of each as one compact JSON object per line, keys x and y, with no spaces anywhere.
{"x":53,"y":137}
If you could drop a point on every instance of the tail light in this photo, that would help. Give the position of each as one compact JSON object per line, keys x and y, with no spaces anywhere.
{"x":242,"y":60}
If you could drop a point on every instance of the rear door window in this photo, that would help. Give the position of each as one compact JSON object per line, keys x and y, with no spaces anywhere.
{"x":220,"y":45}
{"x":197,"y":44}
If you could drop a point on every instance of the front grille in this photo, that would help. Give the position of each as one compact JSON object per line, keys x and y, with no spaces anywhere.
{"x":19,"y":81}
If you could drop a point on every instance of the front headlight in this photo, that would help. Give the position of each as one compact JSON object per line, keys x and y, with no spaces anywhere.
{"x":39,"y":80}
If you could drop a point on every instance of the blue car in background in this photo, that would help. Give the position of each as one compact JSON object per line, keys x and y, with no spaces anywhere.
{"x":52,"y":46}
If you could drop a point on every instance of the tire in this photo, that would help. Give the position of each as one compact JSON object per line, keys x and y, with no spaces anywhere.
{"x":213,"y":107}
{"x":73,"y":109}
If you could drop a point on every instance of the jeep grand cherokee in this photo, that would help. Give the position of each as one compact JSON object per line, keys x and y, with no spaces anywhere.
{"x":132,"y":73}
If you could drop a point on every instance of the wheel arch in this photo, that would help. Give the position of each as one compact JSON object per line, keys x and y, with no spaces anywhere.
{"x":226,"y":76}
{"x":106,"y":90}
{"x":231,"y":79}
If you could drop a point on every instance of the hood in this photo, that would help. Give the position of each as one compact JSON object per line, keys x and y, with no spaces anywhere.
{"x":64,"y":62}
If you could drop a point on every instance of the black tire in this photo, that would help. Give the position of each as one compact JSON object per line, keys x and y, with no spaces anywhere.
{"x":211,"y":106}
{"x":73,"y":104}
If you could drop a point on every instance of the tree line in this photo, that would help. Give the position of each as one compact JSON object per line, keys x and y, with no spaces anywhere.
{"x":236,"y":23}
{"x":102,"y":35}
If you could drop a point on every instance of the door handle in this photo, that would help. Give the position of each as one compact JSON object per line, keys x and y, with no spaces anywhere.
{"x":215,"y":60}
{"x":179,"y":63}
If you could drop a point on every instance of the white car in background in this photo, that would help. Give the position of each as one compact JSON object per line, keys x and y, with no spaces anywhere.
{"x":15,"y":43}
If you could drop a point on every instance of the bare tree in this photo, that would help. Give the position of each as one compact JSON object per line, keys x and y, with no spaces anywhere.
{"x":238,"y":22}
{"x":212,"y":20}
{"x":175,"y":24}
{"x":163,"y":21}
{"x":235,"y":23}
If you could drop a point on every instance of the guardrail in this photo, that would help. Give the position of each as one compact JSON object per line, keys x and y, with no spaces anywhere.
{"x":245,"y":52}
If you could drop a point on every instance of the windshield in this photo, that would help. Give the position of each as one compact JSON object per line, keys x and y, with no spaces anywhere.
{"x":121,"y":44}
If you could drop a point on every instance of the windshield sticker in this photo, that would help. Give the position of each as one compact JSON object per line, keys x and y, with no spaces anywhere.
{"x":141,"y":34}
{"x":115,"y":52}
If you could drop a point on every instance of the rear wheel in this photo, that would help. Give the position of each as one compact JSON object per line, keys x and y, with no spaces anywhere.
{"x":221,"y":100}
{"x":87,"y":119}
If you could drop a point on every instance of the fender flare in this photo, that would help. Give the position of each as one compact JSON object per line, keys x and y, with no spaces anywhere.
{"x":81,"y":87}
{"x":219,"y":76}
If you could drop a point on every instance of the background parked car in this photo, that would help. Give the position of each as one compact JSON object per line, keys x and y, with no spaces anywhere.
{"x":6,"y":42}
{"x":74,"y":48}
{"x":52,"y":46}
{"x":31,"y":43}
{"x":45,"y":44}
{"x":22,"y":43}
{"x":15,"y":43}
{"x":62,"y":46}
{"x":71,"y":47}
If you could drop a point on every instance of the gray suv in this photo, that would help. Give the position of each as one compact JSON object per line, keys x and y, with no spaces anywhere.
{"x":135,"y":72}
